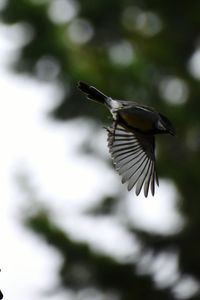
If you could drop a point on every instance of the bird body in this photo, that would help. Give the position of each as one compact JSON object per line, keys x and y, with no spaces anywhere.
{"x":131,"y":138}
{"x":136,"y":118}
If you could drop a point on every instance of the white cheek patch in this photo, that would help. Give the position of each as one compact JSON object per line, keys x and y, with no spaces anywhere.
{"x":160,"y":126}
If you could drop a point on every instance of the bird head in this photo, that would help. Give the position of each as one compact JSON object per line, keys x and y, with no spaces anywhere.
{"x":163,"y":125}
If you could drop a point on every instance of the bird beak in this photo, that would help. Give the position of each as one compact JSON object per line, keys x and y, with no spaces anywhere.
{"x":172,"y":131}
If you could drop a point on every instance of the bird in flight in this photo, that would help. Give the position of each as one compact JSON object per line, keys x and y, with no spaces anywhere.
{"x":131,"y":138}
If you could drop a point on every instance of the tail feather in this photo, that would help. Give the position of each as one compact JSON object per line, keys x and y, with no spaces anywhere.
{"x":91,"y":92}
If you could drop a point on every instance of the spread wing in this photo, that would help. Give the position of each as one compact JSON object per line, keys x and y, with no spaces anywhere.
{"x":133,"y":155}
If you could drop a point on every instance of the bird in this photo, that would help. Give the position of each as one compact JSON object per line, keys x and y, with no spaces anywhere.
{"x":131,"y":138}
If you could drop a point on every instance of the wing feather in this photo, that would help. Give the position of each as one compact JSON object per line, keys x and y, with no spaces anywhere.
{"x":141,"y":180}
{"x":133,"y":155}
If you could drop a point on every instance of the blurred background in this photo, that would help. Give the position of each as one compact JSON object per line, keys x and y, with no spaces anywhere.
{"x":69,"y":228}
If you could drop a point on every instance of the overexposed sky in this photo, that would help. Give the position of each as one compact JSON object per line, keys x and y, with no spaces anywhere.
{"x":67,"y":183}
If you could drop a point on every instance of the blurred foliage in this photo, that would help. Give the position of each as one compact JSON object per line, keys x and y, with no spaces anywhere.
{"x":131,"y":49}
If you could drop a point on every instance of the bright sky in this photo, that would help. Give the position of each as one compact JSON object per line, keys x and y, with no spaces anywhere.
{"x":66,"y":182}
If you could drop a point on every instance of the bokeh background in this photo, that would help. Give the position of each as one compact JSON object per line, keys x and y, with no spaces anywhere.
{"x":69,"y":229}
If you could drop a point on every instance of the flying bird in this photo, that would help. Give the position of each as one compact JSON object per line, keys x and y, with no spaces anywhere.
{"x":131,"y":138}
